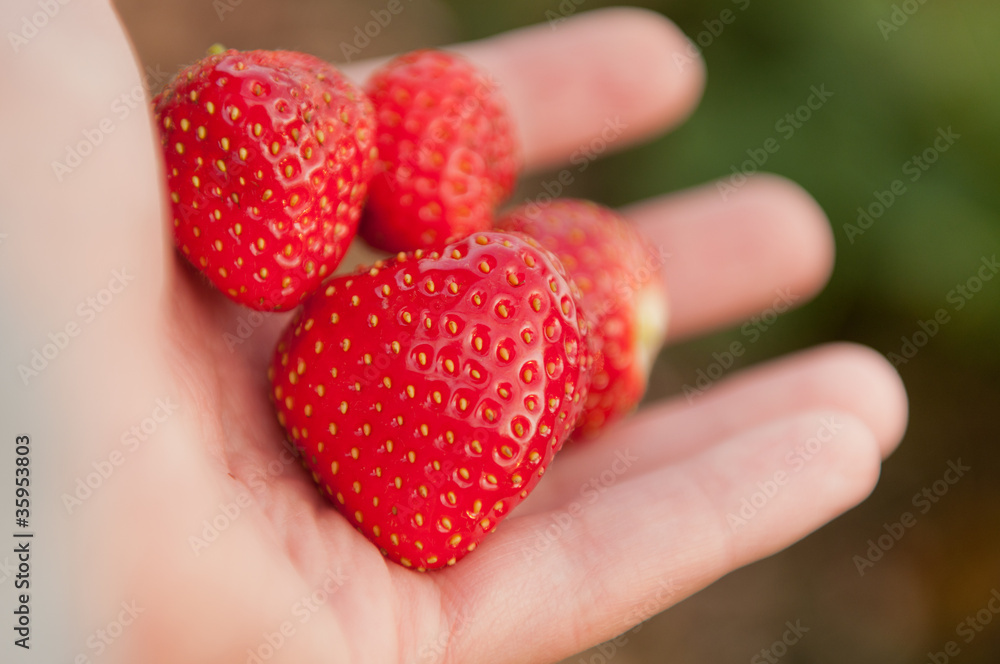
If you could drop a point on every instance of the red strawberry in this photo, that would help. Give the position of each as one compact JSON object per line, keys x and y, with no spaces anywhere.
{"x":268,"y":156}
{"x":429,"y":394}
{"x":617,"y":272}
{"x":448,"y":152}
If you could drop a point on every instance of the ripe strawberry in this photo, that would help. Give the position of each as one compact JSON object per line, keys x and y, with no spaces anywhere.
{"x":429,"y":394}
{"x":617,"y":273}
{"x":447,"y":148}
{"x":268,"y":156}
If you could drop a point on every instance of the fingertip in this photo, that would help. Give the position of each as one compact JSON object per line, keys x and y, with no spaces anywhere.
{"x":795,"y":219}
{"x":879,"y":396}
{"x":612,"y":76}
{"x":856,"y":461}
{"x":797,"y":474}
{"x":734,"y":252}
{"x":667,"y":72}
{"x":620,"y":74}
{"x":842,"y":376}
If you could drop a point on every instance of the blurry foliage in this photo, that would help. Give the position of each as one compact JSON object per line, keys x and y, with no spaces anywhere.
{"x":891,"y":96}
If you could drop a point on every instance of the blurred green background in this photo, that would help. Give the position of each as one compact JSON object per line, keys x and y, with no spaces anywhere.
{"x":893,"y":90}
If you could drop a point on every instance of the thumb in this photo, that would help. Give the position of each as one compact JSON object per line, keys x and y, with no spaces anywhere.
{"x":82,"y":259}
{"x":82,"y":256}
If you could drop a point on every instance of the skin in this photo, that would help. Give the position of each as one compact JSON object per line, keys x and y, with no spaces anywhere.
{"x":655,"y":534}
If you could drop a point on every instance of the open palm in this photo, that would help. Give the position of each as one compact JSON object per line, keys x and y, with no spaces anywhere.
{"x":209,"y":524}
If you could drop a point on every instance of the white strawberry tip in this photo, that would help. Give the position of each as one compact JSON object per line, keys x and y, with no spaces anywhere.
{"x":650,"y":330}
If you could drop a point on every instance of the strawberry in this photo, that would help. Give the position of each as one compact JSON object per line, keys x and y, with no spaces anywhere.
{"x":447,"y":149}
{"x":617,"y":273}
{"x":428,"y":394}
{"x":268,"y":157}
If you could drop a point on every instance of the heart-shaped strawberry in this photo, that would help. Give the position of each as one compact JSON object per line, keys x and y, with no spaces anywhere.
{"x":428,"y":394}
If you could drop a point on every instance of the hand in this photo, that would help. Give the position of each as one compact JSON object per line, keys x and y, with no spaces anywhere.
{"x":206,"y":523}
